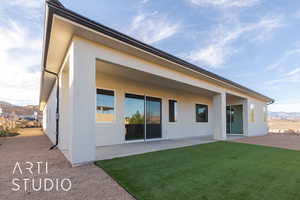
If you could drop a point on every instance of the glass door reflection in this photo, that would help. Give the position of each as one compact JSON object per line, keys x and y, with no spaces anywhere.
{"x":234,"y":119}
{"x":134,"y":117}
{"x":142,"y":117}
{"x":153,"y":118}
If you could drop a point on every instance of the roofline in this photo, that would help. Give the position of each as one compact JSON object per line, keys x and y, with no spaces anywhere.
{"x":55,"y":7}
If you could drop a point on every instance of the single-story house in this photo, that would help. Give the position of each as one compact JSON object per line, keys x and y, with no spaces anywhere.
{"x":101,"y":88}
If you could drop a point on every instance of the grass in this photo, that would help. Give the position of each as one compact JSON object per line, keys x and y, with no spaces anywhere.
{"x":214,"y":171}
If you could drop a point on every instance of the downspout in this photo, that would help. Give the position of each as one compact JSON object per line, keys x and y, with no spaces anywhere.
{"x":269,"y":103}
{"x":57,"y":108}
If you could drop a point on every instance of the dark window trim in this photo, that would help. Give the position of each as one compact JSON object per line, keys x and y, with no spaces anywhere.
{"x":206,"y":112}
{"x":153,"y":98}
{"x":106,"y":92}
{"x":135,"y":96}
{"x":172,"y":113}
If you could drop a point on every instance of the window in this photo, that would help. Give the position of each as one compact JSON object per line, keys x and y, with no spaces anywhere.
{"x":265,"y":114}
{"x":230,"y":114}
{"x":105,"y":105}
{"x":201,"y":113}
{"x":252,"y":113}
{"x":48,"y":115}
{"x":172,"y":110}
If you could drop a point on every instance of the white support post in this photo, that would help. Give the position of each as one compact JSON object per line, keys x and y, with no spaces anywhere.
{"x":219,"y":111}
{"x":246,"y":108}
{"x":82,"y":104}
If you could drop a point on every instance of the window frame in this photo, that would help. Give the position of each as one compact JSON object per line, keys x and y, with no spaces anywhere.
{"x":252,"y":113}
{"x":265,"y":114}
{"x":175,"y":113}
{"x":115,"y":106}
{"x":196,"y":113}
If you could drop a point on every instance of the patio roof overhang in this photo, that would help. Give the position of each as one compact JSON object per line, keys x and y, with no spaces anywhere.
{"x":137,"y":76}
{"x":61,"y":25}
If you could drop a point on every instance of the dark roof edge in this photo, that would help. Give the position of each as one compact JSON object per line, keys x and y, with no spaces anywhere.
{"x":55,"y":2}
{"x":59,"y":9}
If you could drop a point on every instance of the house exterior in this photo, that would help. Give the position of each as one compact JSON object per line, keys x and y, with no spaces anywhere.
{"x":101,"y":88}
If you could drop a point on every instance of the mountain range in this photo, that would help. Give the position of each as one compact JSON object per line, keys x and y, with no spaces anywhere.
{"x":9,"y":109}
{"x":285,"y":115}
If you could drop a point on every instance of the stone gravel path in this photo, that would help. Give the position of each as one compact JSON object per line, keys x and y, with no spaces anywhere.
{"x":88,"y":182}
{"x":281,"y":141}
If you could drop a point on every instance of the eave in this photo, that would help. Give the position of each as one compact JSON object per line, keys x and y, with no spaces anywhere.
{"x":92,"y":30}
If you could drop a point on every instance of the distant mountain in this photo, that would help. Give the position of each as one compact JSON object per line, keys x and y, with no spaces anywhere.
{"x":284,"y":115}
{"x":11,"y":110}
{"x":4,"y":103}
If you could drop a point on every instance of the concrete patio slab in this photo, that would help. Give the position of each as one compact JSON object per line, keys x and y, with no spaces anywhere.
{"x":121,"y":150}
{"x":235,"y":137}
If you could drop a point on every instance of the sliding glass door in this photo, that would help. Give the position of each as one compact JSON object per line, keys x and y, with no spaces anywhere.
{"x":134,"y":117}
{"x":234,"y":115}
{"x":153,"y":118}
{"x":142,"y":117}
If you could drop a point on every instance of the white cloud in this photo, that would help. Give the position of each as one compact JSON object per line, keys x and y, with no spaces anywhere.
{"x":152,"y":28}
{"x":293,"y":72}
{"x":213,"y":55}
{"x":217,"y":52}
{"x":289,"y":77}
{"x":285,"y":107}
{"x":225,"y":3}
{"x":26,"y":3}
{"x":20,"y":57}
{"x":144,"y":1}
{"x":297,"y":14}
{"x":283,"y":58}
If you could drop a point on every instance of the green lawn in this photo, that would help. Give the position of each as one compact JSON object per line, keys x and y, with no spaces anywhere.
{"x":221,"y":170}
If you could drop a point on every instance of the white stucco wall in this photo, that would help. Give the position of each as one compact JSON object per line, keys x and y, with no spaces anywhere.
{"x":219,"y":113}
{"x":49,"y":114}
{"x":82,"y":98}
{"x":64,"y":111}
{"x":259,"y":126}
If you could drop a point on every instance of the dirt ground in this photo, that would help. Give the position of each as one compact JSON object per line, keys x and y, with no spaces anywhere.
{"x":88,"y":182}
{"x":281,"y":141}
{"x":25,"y":132}
{"x":283,"y":124}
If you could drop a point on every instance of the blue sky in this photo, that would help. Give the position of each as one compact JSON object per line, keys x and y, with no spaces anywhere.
{"x":253,"y":42}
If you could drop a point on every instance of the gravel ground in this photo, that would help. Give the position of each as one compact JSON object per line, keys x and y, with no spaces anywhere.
{"x":281,"y":141}
{"x":88,"y":182}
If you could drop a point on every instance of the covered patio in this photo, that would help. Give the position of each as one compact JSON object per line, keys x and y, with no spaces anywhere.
{"x":110,"y":135}
{"x":134,"y":87}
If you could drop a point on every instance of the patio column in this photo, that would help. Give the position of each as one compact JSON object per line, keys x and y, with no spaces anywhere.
{"x":246,"y":108}
{"x":219,"y":112}
{"x":82,"y":104}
